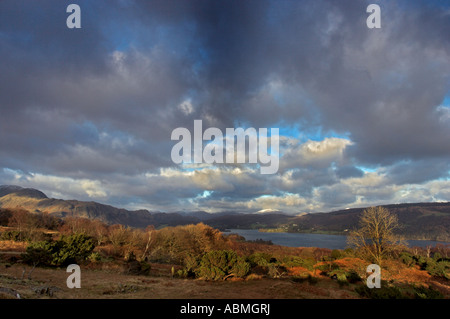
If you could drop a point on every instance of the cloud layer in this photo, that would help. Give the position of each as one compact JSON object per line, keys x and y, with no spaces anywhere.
{"x":363,"y":113}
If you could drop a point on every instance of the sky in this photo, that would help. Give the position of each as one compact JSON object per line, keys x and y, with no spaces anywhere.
{"x":363,"y":114}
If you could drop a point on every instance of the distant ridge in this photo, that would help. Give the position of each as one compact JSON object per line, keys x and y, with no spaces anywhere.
{"x":429,"y":221}
{"x":20,"y":191}
{"x":419,"y":220}
{"x":35,"y":201}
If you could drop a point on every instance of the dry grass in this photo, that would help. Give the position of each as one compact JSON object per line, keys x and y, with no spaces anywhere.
{"x":112,"y":283}
{"x":10,"y":245}
{"x":298,"y":271}
{"x":395,"y":270}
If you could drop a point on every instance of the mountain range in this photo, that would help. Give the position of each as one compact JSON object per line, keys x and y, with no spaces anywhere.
{"x":418,"y":220}
{"x":36,"y":201}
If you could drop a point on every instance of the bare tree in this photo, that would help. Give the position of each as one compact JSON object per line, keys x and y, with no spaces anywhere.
{"x":149,"y":232}
{"x":99,"y":231}
{"x":428,"y":251}
{"x":23,"y":221}
{"x":375,"y":238}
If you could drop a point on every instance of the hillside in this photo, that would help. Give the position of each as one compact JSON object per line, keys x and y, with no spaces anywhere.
{"x":37,"y":202}
{"x":418,"y":220}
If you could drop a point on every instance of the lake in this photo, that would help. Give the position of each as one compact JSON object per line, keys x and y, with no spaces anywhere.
{"x":314,"y":240}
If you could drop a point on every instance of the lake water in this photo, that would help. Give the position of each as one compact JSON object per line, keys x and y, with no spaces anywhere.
{"x":314,"y":240}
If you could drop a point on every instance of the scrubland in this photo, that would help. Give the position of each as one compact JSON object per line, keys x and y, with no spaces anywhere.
{"x":196,"y":261}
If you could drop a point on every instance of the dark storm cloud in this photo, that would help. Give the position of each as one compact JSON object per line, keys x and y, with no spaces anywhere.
{"x":366,"y":82}
{"x":54,"y":80}
{"x":349,"y":171}
{"x":336,"y":196}
{"x":418,"y":172}
{"x":305,"y":180}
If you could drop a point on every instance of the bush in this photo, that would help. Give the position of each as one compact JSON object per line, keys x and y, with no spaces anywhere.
{"x":73,"y":248}
{"x":214,"y":265}
{"x":342,"y":279}
{"x":438,"y":269}
{"x":14,"y":235}
{"x":240,"y":268}
{"x":218,"y":264}
{"x":437,"y":256}
{"x":95,"y":257}
{"x":385,"y":292}
{"x":336,"y":254}
{"x":259,"y":259}
{"x":191,"y":264}
{"x":343,"y":276}
{"x":67,"y":250}
{"x":421,"y":261}
{"x":353,"y":277}
{"x":294,"y":261}
{"x":407,"y":259}
{"x":182,"y":273}
{"x":327,"y":269}
{"x":427,"y":293}
{"x":40,"y":253}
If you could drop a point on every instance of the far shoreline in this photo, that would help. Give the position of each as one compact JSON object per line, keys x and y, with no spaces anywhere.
{"x":332,"y":233}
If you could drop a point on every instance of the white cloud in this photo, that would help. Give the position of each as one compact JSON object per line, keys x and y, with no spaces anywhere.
{"x":443,"y":113}
{"x":60,"y":187}
{"x":328,"y":149}
{"x":312,"y":154}
{"x":186,"y":107}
